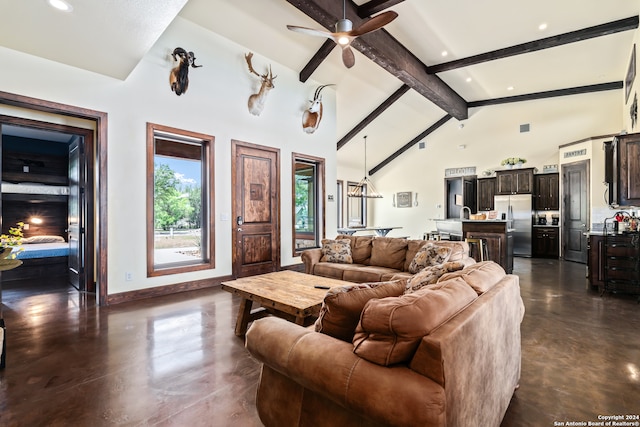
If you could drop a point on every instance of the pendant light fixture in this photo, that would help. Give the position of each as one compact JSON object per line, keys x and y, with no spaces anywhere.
{"x":365,"y":188}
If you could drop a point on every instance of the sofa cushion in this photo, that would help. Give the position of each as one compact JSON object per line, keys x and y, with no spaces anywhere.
{"x":481,"y":276}
{"x":333,"y":270}
{"x":367,"y":273}
{"x":430,"y":275}
{"x":391,"y":329}
{"x":338,"y":250}
{"x":360,"y":247}
{"x":388,"y":252}
{"x":342,"y":306}
{"x":429,"y":254}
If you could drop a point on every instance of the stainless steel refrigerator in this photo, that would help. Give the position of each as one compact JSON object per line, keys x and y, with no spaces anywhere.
{"x":518,"y":209}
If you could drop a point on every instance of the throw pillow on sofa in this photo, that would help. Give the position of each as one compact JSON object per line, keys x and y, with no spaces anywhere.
{"x":338,"y":251}
{"x":342,"y":305}
{"x":390,"y":329}
{"x":428,"y":255}
{"x":430,"y":275}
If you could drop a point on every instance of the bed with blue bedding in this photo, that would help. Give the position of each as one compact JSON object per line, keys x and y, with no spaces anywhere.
{"x":41,"y":256}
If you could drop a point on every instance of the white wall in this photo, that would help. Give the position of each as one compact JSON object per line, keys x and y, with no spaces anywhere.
{"x":214,"y":104}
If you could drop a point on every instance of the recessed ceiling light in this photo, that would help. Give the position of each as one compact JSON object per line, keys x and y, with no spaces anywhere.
{"x":469,"y":79}
{"x":510,"y":88}
{"x":542,"y":26}
{"x":60,"y":5}
{"x":444,"y":53}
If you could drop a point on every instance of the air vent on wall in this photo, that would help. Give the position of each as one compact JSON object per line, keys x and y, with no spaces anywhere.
{"x":524,"y":128}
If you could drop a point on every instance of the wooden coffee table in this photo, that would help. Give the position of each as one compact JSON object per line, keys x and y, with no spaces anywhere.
{"x":286,"y":294}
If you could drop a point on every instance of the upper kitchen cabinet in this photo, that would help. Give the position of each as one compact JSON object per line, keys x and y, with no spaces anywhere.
{"x":486,"y":191}
{"x":515,"y":181}
{"x":627,"y":177}
{"x":547,"y":192}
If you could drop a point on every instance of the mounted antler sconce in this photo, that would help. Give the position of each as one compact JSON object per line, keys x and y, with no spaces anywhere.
{"x":179,"y":77}
{"x":257,"y":100}
{"x":312,"y":115}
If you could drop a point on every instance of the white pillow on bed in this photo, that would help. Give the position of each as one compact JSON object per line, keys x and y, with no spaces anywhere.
{"x":43,"y":239}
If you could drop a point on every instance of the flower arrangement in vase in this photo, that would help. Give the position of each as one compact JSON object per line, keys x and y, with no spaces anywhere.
{"x":511,"y":162}
{"x":8,"y":259}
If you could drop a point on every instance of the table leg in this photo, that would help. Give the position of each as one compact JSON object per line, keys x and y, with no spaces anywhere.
{"x":300,"y":320}
{"x":244,"y":315}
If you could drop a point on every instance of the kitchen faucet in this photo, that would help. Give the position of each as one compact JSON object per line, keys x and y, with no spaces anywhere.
{"x":462,"y":212}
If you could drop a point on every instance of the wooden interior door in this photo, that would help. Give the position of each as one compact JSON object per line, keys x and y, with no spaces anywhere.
{"x":255,"y":213}
{"x":575,"y":210}
{"x":76,"y":229}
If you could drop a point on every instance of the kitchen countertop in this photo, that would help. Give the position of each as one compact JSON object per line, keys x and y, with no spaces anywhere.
{"x":546,"y":226}
{"x":609,"y":233}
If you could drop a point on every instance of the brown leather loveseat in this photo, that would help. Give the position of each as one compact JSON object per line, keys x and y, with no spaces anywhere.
{"x":445,"y":355}
{"x":378,"y":259}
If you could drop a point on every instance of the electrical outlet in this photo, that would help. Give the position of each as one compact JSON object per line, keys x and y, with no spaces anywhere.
{"x":128,"y":276}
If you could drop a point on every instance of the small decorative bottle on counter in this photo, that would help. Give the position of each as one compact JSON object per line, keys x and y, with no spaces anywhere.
{"x":633,"y":222}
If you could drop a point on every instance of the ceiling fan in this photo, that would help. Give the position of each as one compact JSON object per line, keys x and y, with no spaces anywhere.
{"x":345,"y":34}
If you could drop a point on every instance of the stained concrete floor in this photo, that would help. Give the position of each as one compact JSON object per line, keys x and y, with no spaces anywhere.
{"x":174,"y":360}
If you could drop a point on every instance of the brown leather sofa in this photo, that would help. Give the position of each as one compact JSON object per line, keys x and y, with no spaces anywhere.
{"x":446,"y":355}
{"x":378,"y":259}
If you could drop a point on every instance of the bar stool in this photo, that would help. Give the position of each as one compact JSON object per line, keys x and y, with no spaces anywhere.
{"x":480,"y":246}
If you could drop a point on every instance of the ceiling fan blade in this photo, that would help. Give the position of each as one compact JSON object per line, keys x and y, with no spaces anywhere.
{"x":310,"y":31}
{"x":375,"y":23}
{"x":348,"y":57}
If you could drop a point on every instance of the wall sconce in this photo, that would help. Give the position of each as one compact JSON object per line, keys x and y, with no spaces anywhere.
{"x":35,"y":220}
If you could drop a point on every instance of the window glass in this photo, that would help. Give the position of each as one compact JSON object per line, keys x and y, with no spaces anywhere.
{"x":356,"y":207}
{"x":180,"y":232}
{"x":308,"y":210}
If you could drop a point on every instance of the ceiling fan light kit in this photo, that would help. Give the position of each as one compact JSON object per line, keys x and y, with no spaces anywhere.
{"x":344,"y":33}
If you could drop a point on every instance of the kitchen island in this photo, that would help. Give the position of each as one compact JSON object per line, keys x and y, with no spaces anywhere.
{"x":497,"y":236}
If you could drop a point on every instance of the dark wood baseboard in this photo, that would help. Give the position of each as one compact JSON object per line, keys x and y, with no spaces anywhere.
{"x":165,"y":290}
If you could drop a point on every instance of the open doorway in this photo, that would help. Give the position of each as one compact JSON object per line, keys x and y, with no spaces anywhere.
{"x":47,"y":186}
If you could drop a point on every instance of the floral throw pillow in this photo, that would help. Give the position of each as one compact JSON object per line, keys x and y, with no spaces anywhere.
{"x":338,"y":251}
{"x":430,"y":275}
{"x":428,"y":255}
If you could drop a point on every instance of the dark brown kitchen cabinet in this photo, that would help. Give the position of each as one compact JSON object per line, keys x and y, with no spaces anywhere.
{"x":547,"y":192}
{"x":486,"y":191}
{"x":545,"y":243}
{"x":498,"y":238}
{"x":515,"y":181}
{"x":614,"y":262}
{"x":627,"y":148}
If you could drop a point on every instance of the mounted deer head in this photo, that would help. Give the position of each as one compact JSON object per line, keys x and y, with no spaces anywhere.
{"x":256,"y":101}
{"x":179,"y":77}
{"x":312,"y":115}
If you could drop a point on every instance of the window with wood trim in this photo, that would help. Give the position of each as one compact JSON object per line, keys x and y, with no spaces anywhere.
{"x":308,"y":207}
{"x":180,"y":194}
{"x":356,"y":207}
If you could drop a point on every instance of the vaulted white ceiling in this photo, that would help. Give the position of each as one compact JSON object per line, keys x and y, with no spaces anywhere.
{"x":111,"y":37}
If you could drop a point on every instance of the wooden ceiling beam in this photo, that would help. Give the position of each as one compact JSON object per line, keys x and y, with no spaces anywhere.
{"x":388,"y":53}
{"x":317,"y":59}
{"x":374,"y":6}
{"x":600,"y":87}
{"x":626,"y":24}
{"x":410,"y":144}
{"x":373,"y":115}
